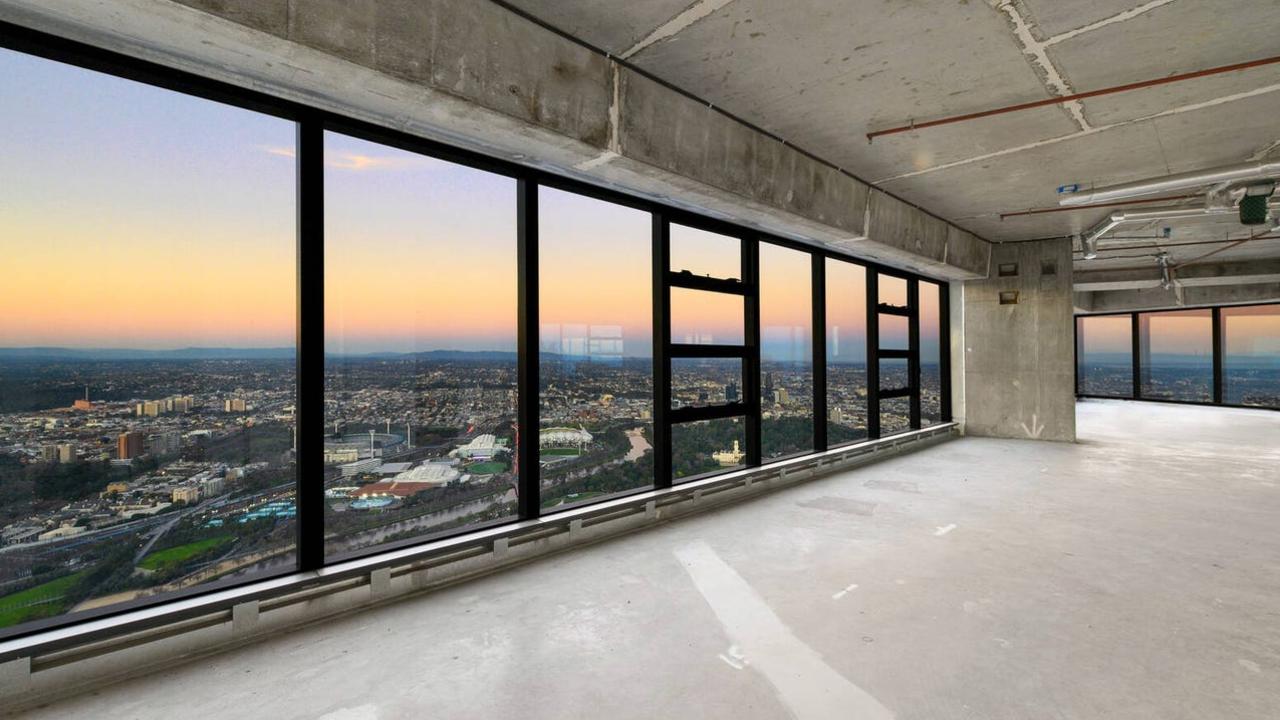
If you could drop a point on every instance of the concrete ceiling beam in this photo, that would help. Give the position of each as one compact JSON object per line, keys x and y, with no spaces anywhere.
{"x":1198,"y":275}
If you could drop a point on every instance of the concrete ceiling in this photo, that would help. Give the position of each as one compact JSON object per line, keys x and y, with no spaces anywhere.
{"x":823,"y":73}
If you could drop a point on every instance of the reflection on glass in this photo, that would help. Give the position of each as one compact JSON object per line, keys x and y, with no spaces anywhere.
{"x":786,"y":351}
{"x":701,"y":382}
{"x":706,"y":318}
{"x":420,"y":334}
{"x":160,"y":226}
{"x":930,"y":354}
{"x":895,"y":416}
{"x":894,"y":332}
{"x":1176,"y":355}
{"x":1251,"y":355}
{"x":846,"y":352}
{"x":705,"y":254}
{"x":705,"y":447}
{"x":596,"y":342}
{"x":1104,"y":355}
{"x":893,"y":290}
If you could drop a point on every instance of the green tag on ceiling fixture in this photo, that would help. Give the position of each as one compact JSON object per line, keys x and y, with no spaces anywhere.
{"x":1253,"y":209}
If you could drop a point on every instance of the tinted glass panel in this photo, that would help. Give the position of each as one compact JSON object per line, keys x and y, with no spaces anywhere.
{"x":706,"y":318}
{"x":596,"y":346}
{"x":930,"y":354}
{"x":893,"y":291}
{"x":160,"y":226}
{"x":894,"y":332}
{"x":1176,"y":355}
{"x":1104,"y":354}
{"x":699,"y":382}
{"x":420,"y":332}
{"x":701,"y":448}
{"x":786,"y":351}
{"x":1251,"y":355}
{"x":705,"y":254}
{"x":893,"y":373}
{"x":895,"y":415}
{"x":846,"y":352}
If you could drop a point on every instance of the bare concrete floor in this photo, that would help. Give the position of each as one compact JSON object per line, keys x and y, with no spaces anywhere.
{"x":1133,"y":575}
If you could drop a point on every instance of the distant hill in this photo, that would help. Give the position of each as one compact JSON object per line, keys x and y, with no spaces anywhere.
{"x":191,"y":353}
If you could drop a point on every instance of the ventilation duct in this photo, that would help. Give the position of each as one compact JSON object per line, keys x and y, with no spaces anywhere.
{"x":1214,"y":176}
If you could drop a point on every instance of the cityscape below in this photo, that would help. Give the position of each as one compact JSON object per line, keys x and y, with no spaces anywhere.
{"x":126,"y":474}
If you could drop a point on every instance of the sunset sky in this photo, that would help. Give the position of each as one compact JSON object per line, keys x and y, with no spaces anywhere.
{"x":135,"y":217}
{"x":138,"y":217}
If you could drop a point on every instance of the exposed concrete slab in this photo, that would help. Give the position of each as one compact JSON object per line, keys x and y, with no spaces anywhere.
{"x":823,"y":73}
{"x":476,"y":74}
{"x":1162,"y":42}
{"x":1139,"y":565}
{"x":1019,"y":367}
{"x":1158,"y":298}
{"x":629,"y":22}
{"x":1053,"y":18}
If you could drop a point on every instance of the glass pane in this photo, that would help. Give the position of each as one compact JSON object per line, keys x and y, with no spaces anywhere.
{"x":705,"y":254}
{"x":162,"y":227}
{"x":706,"y":318}
{"x":596,"y":347}
{"x":895,"y":416}
{"x":709,"y":446}
{"x":1176,"y":355}
{"x":930,"y":354}
{"x":1104,"y":354}
{"x":699,"y":382}
{"x":786,"y":351}
{"x":894,"y":373}
{"x":420,"y":337}
{"x":846,"y":352}
{"x":1251,"y":355}
{"x":893,"y":291}
{"x":894,"y":332}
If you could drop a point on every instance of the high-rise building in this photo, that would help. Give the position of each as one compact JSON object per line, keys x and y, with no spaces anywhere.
{"x":49,"y":453}
{"x":129,"y":445}
{"x":235,"y":405}
{"x":66,"y":453}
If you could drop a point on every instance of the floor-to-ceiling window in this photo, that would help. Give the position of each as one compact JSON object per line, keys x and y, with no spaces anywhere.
{"x":1251,"y":355}
{"x":147,"y":329}
{"x":1177,"y":357}
{"x":1175,"y":351}
{"x":595,"y":348}
{"x":1104,"y":355}
{"x":931,"y":339}
{"x":894,"y":317}
{"x":846,"y":342}
{"x":420,"y":337}
{"x":786,"y":351}
{"x":489,"y":348}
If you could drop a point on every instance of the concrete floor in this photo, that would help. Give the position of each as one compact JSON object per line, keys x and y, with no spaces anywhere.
{"x":1135,"y":574}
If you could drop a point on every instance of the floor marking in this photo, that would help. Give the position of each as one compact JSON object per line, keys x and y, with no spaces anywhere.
{"x":805,"y":684}
{"x":845,"y":591}
{"x":735,"y":659}
{"x":944,"y":530}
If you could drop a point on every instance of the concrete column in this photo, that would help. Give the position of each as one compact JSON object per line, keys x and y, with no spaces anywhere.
{"x":1019,"y":367}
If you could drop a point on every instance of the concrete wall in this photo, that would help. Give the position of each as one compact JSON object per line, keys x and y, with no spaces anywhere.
{"x":1019,"y":367}
{"x":470,"y":73}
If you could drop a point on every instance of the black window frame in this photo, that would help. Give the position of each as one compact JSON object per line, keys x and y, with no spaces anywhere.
{"x":1135,"y":349}
{"x":312,"y":123}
